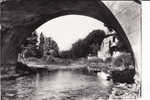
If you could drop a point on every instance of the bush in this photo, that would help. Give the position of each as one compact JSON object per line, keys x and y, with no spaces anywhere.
{"x":124,"y":59}
{"x":125,"y":76}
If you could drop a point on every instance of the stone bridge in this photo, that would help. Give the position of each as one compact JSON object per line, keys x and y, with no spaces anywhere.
{"x":19,"y":18}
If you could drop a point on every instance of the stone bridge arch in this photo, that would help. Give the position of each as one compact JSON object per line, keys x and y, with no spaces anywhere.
{"x":21,"y":17}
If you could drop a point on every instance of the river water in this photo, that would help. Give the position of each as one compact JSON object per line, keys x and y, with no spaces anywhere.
{"x":57,"y":85}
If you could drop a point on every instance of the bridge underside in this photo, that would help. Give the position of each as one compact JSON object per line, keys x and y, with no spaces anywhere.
{"x":21,"y":17}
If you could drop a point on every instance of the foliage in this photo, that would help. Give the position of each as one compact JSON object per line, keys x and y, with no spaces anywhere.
{"x":29,"y":48}
{"x":124,"y":59}
{"x":95,"y":37}
{"x":50,"y":47}
{"x":41,"y":45}
{"x":122,"y":46}
{"x":81,"y":48}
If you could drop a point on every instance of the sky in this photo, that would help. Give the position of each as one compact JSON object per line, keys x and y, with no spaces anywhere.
{"x":66,"y":30}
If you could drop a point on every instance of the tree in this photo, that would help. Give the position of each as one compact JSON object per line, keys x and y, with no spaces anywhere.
{"x":41,"y":45}
{"x":95,"y":37}
{"x":90,"y":44}
{"x":79,"y":49}
{"x":83,"y":47}
{"x":94,"y":48}
{"x":50,"y":47}
{"x":55,"y":48}
{"x":30,"y":47}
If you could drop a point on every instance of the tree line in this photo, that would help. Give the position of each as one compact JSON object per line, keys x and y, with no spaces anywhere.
{"x":31,"y":47}
{"x":89,"y":45}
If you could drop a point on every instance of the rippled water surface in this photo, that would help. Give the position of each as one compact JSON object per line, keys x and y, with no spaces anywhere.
{"x":56,"y":85}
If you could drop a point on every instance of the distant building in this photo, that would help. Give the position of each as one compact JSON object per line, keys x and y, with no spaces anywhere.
{"x":107,"y":43}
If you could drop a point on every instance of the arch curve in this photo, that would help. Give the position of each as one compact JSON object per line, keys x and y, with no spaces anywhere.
{"x":22,"y":17}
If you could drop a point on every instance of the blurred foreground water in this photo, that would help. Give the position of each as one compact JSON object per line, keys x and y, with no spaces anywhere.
{"x":57,"y":85}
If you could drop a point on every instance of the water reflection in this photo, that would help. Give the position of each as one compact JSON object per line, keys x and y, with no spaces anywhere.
{"x":57,"y":85}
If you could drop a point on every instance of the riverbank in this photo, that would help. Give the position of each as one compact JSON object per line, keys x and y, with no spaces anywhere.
{"x":60,"y":64}
{"x":125,"y":92}
{"x":34,"y":65}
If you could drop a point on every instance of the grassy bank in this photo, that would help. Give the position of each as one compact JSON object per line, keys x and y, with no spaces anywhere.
{"x":57,"y":64}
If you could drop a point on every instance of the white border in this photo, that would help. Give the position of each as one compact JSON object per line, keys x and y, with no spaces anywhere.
{"x":145,"y":50}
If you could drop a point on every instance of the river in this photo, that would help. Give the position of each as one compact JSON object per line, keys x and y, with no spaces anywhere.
{"x":57,"y":85}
